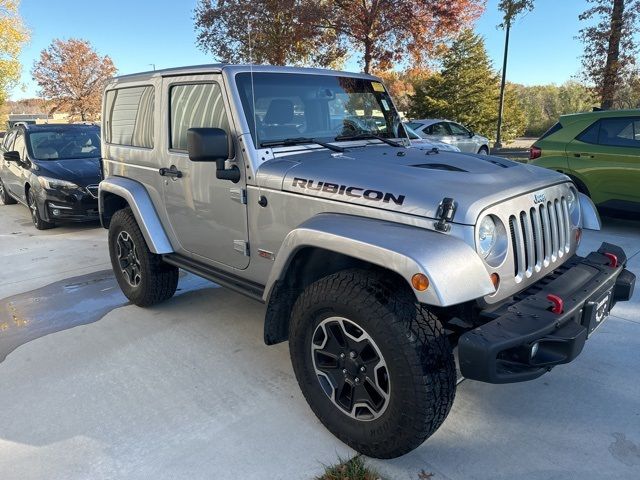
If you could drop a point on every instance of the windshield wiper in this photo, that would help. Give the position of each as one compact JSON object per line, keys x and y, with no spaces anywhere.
{"x":300,"y":140}
{"x":366,"y":136}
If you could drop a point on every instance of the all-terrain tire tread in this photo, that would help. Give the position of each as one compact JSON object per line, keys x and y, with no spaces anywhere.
{"x":159,"y":279}
{"x":421,"y":341}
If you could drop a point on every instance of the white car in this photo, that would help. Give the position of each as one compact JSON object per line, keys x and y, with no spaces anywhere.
{"x":423,"y":144}
{"x":452,"y":133}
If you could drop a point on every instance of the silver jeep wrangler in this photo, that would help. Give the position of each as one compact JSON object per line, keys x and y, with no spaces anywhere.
{"x":376,"y":260}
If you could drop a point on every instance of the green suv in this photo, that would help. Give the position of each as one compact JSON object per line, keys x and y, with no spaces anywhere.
{"x":600,"y":151}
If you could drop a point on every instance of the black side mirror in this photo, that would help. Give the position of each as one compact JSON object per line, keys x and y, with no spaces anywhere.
{"x":12,"y":156}
{"x":471,"y":133}
{"x":212,"y":145}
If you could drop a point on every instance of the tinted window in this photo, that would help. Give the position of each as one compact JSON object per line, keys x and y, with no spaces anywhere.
{"x":557,"y":127}
{"x":590,"y":135}
{"x":620,"y":132}
{"x":458,"y":129}
{"x":64,"y":143}
{"x":414,"y":125}
{"x":130,"y":116}
{"x":195,"y":106}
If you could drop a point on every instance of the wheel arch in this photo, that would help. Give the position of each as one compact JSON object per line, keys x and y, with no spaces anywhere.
{"x":116,"y":193}
{"x":329,"y":243}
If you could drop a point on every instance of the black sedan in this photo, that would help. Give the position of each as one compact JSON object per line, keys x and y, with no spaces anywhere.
{"x":52,"y":169}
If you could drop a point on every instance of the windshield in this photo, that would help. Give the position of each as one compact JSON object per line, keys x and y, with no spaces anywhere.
{"x":322,"y":107}
{"x":65,"y":144}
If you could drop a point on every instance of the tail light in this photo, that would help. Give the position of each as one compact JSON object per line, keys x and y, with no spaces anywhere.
{"x":535,"y":152}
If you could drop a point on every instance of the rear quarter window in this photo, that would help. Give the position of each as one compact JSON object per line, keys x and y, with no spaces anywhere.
{"x":130,"y":113}
{"x":555,"y":128}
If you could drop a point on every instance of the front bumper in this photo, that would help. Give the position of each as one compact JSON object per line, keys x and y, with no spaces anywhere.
{"x":524,"y":339}
{"x":68,"y":206}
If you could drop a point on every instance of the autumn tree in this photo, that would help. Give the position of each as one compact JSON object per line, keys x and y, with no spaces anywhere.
{"x":609,"y":45}
{"x":387,"y":32}
{"x":467,"y":90}
{"x":71,"y":75}
{"x":400,"y":84}
{"x":13,"y":36}
{"x":274,"y":32}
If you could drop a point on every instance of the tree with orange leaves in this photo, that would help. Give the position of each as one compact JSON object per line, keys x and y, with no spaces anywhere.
{"x":387,"y":32}
{"x":72,"y":76}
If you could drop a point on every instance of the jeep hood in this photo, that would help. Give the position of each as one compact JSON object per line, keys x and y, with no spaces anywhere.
{"x":405,"y":180}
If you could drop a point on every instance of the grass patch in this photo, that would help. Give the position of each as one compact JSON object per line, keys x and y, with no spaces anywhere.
{"x":352,"y":469}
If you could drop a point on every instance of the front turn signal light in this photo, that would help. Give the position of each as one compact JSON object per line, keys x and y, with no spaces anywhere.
{"x":495,"y":279}
{"x":420,"y":282}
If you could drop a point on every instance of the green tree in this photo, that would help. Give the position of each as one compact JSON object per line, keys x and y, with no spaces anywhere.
{"x":610,"y":47}
{"x":13,"y":36}
{"x":544,"y":104}
{"x":467,"y":90}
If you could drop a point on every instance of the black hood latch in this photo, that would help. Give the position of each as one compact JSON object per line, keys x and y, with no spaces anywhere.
{"x":446,"y":212}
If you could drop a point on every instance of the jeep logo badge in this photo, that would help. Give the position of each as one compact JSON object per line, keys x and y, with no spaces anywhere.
{"x":539,"y":198}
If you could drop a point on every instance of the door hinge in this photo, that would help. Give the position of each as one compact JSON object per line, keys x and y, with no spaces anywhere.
{"x":241,"y":246}
{"x":239,"y":195}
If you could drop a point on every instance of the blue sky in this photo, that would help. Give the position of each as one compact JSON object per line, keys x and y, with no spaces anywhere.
{"x":137,"y":33}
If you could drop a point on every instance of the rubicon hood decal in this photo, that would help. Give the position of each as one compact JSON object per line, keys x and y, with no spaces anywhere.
{"x":376,"y":176}
{"x":349,"y":191}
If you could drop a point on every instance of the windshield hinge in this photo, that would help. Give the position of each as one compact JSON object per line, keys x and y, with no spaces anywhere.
{"x":446,"y":212}
{"x":241,"y":246}
{"x":239,"y":195}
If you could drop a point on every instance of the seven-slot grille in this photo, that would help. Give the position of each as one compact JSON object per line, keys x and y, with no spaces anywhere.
{"x":93,"y":190}
{"x":540,"y":236}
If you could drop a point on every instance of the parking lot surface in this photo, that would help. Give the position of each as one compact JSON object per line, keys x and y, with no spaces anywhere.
{"x":95,"y":388}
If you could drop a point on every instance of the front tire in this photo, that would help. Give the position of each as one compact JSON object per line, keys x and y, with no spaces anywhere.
{"x":375,"y":367}
{"x":37,"y":220}
{"x":5,"y":198}
{"x":142,"y":275}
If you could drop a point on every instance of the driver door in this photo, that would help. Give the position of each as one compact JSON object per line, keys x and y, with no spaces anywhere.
{"x":208,"y":216}
{"x":14,"y":170}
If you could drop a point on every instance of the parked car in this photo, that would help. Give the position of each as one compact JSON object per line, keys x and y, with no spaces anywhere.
{"x":600,"y":152}
{"x":423,"y":144}
{"x":374,"y":259}
{"x":52,"y":169}
{"x":452,"y":133}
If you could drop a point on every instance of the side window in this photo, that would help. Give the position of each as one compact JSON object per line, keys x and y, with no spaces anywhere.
{"x":195,"y":106}
{"x":590,"y":135}
{"x":620,"y":132}
{"x":129,"y":114}
{"x":458,"y":129}
{"x":8,"y":141}
{"x":440,"y":129}
{"x":19,"y":145}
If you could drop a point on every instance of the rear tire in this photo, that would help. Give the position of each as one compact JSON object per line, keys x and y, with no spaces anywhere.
{"x":483,"y":151}
{"x":5,"y":198}
{"x":142,"y":275}
{"x":408,"y":383}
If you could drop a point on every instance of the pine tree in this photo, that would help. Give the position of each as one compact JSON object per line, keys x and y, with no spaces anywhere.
{"x":467,"y":90}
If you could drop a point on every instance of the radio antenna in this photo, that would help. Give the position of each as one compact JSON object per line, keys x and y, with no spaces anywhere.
{"x":253,"y":91}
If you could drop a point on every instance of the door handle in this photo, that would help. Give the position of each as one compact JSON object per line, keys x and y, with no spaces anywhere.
{"x":587,"y":155}
{"x":172,"y":172}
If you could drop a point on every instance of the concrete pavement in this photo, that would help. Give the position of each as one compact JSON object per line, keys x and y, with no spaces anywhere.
{"x":187,"y":389}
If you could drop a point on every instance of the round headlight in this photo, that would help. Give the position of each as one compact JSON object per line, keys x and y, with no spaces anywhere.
{"x":486,"y":236}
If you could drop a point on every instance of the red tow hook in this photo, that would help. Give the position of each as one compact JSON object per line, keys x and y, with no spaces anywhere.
{"x":558,"y":303}
{"x":613,"y":260}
